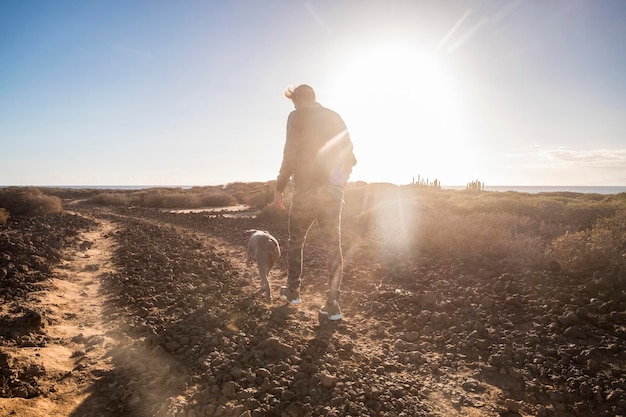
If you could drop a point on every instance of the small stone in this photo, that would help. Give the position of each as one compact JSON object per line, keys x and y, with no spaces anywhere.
{"x":263,"y":373}
{"x":512,"y":405}
{"x":472,"y":385}
{"x":229,"y":390}
{"x":428,"y":299}
{"x":487,"y":302}
{"x":585,"y":390}
{"x":411,"y":336}
{"x":287,"y":395}
{"x":575,"y":332}
{"x":276,"y":346}
{"x":568,"y":319}
{"x":327,"y":380}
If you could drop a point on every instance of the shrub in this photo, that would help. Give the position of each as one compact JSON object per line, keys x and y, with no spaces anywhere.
{"x":453,"y":224}
{"x":4,"y":216}
{"x":176,"y":198}
{"x":169,"y":199}
{"x":217,"y":199}
{"x":499,"y":235}
{"x":28,"y":202}
{"x":110,"y":199}
{"x":253,"y":194}
{"x":600,"y":248}
{"x":260,"y":199}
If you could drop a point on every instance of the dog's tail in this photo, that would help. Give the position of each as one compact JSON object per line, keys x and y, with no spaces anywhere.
{"x":255,"y":230}
{"x":275,"y":247}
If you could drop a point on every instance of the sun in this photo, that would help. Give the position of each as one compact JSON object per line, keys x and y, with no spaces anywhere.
{"x":405,"y":114}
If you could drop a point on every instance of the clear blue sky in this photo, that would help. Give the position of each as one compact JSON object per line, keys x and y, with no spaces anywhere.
{"x":191,"y":92}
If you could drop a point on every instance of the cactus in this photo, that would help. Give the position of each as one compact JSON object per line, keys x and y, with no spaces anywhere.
{"x":475,"y":186}
{"x":423,"y":182}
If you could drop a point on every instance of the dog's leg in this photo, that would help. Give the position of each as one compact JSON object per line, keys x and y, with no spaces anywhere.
{"x":265,"y":283}
{"x":251,"y":255}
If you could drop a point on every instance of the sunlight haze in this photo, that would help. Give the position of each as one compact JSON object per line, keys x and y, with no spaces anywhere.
{"x":191,"y":93}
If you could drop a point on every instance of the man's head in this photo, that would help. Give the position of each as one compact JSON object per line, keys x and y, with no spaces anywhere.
{"x":300,"y":95}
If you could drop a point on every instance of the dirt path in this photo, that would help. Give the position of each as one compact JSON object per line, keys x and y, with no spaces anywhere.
{"x":78,"y":336}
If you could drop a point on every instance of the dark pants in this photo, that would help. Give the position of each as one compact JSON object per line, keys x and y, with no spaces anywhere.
{"x":322,"y":204}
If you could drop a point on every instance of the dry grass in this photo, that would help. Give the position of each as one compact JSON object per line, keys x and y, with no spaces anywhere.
{"x":111,"y":199}
{"x":217,"y":199}
{"x":600,"y":248}
{"x":254,"y":194}
{"x":585,"y":233}
{"x":166,"y":198}
{"x":27,"y":201}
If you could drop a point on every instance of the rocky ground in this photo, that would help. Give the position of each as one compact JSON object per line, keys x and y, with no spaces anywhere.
{"x":137,"y":312}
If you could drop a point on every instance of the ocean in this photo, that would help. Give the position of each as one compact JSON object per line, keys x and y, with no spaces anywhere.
{"x":531,"y":189}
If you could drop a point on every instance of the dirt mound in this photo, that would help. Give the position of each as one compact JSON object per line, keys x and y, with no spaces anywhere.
{"x":189,"y":335}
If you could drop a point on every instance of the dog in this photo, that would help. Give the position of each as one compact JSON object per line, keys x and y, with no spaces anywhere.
{"x":263,"y":248}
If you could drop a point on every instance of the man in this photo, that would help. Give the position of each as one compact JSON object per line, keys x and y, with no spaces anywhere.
{"x":318,"y":156}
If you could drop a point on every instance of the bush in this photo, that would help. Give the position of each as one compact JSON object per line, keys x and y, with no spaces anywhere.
{"x":4,"y":216}
{"x":110,"y":199}
{"x":28,"y":202}
{"x":169,"y":199}
{"x":217,"y":199}
{"x":498,"y":235}
{"x":253,"y":194}
{"x":600,"y":248}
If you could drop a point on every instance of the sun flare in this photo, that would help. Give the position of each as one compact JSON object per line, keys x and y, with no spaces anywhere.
{"x":404,"y":113}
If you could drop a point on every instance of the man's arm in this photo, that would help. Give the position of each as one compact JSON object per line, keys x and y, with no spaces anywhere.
{"x":290,"y":154}
{"x":345,"y":154}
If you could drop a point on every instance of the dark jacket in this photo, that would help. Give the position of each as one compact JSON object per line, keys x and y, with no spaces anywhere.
{"x":318,"y":149}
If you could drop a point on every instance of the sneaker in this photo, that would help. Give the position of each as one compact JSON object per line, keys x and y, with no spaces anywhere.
{"x":289,"y":295}
{"x":332,"y":310}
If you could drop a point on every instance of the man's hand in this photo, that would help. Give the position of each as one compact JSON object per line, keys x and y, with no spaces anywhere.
{"x":279,"y":201}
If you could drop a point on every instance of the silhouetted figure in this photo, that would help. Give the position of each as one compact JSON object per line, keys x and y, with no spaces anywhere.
{"x":318,"y":157}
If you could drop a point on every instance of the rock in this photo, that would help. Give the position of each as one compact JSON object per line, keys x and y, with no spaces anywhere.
{"x":411,"y":336}
{"x":229,"y":390}
{"x":428,"y":299}
{"x":403,"y":346}
{"x":440,"y":320}
{"x":585,"y":390}
{"x":263,"y":373}
{"x":92,"y":267}
{"x":274,"y":346}
{"x":472,"y":385}
{"x":568,"y":319}
{"x":327,"y":380}
{"x":30,"y":319}
{"x":512,"y":405}
{"x":575,"y":332}
{"x":618,"y":317}
{"x":415,"y":357}
{"x":487,"y":302}
{"x":287,"y":395}
{"x":79,"y":339}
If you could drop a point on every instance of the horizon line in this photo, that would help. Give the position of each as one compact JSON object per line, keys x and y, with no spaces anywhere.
{"x":245,"y":182}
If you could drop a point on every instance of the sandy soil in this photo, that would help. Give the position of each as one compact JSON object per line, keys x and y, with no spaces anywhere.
{"x":158,"y":315}
{"x":78,"y":338}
